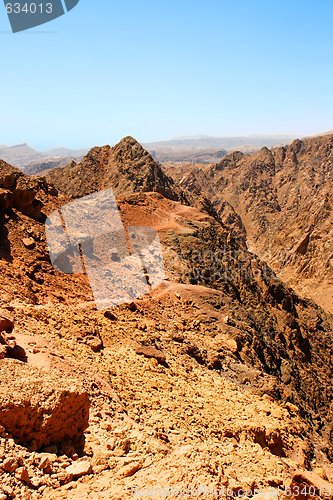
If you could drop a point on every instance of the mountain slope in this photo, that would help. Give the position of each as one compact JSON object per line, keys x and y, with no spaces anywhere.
{"x":284,"y":199}
{"x":126,"y":168}
{"x":19,"y":155}
{"x":222,"y":370}
{"x":32,"y":161}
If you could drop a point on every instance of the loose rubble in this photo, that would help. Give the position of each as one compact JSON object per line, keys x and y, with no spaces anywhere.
{"x":205,"y":386}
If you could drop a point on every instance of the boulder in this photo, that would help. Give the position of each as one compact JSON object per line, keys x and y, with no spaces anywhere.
{"x":151,"y":352}
{"x":29,"y":243}
{"x":10,"y":349}
{"x":8,"y":175}
{"x":6,"y":321}
{"x":10,"y":464}
{"x":19,"y":191}
{"x":79,"y":468}
{"x":25,"y":196}
{"x":6,"y":199}
{"x":41,"y":408}
{"x":8,"y":346}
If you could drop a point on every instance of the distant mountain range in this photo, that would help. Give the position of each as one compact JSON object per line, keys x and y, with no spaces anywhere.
{"x":200,"y":149}
{"x":205,"y":149}
{"x":281,"y":198}
{"x":196,"y":150}
{"x":32,"y":161}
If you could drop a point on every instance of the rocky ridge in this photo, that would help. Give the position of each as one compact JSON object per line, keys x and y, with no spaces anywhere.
{"x":220,"y":364}
{"x":126,"y":168}
{"x":283,"y":197}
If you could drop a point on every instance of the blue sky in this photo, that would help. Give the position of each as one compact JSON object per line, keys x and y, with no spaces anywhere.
{"x":157,"y":69}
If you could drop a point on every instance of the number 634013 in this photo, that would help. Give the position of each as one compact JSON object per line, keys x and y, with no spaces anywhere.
{"x":29,"y":8}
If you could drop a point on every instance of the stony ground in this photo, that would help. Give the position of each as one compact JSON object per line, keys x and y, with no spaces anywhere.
{"x":158,"y":418}
{"x":204,"y":388}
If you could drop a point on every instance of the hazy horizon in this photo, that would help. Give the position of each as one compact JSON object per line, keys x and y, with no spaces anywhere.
{"x":198,"y":137}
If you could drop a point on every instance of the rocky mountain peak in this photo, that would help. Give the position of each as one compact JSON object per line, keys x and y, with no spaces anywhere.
{"x":280,"y":194}
{"x":8,"y":175}
{"x":126,"y":168}
{"x":129,"y":142}
{"x":265,"y":155}
{"x":229,"y":161}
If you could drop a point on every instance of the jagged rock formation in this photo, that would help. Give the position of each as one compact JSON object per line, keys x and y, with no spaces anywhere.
{"x":18,"y":191}
{"x":284,"y":199}
{"x":126,"y":168}
{"x":222,"y":371}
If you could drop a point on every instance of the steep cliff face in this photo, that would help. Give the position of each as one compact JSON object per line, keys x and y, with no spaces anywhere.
{"x":284,"y":199}
{"x":274,"y":329}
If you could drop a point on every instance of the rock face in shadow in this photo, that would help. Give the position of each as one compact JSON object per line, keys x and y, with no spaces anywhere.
{"x":19,"y":191}
{"x":39,"y":408}
{"x":284,"y":199}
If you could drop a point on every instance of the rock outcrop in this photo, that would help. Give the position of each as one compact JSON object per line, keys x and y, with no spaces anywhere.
{"x":284,"y":199}
{"x":126,"y":168}
{"x":39,"y":408}
{"x":7,"y":342}
{"x":19,"y":191}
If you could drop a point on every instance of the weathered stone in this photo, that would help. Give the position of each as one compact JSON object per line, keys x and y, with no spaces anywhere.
{"x":23,"y":474}
{"x":79,"y":468}
{"x":25,"y":196}
{"x":6,"y":199}
{"x":64,"y":477}
{"x":29,"y":243}
{"x":151,"y":352}
{"x":46,"y":460}
{"x":6,"y":321}
{"x":10,"y":464}
{"x":8,"y":175}
{"x":130,"y":469}
{"x":42,"y":407}
{"x":94,"y":343}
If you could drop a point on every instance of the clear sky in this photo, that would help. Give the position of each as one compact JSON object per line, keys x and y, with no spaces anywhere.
{"x":157,"y":69}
